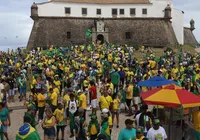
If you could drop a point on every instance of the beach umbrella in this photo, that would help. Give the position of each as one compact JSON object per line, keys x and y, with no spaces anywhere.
{"x":171,"y":96}
{"x":155,"y":81}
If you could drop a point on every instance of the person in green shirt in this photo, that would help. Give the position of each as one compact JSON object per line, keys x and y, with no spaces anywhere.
{"x":122,"y":96}
{"x":27,"y":132}
{"x":136,"y":96}
{"x":30,"y":113}
{"x":93,"y":127}
{"x":115,"y":79}
{"x":105,"y":130}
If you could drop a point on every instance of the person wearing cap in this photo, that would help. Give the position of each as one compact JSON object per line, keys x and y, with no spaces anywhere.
{"x":157,"y":132}
{"x":27,"y":132}
{"x":139,"y":134}
{"x":128,"y":133}
{"x":105,"y":127}
{"x":110,"y":121}
{"x":93,"y":127}
{"x":82,"y":102}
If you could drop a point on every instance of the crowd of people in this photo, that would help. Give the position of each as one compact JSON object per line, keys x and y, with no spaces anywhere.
{"x":60,"y":85}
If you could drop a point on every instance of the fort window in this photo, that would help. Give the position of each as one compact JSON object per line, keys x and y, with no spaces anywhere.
{"x":114,"y":11}
{"x":128,"y":35}
{"x":67,"y":10}
{"x":84,"y":11}
{"x":144,"y":11}
{"x":98,"y":11}
{"x":132,"y":11}
{"x":121,"y":11}
{"x":68,"y":35}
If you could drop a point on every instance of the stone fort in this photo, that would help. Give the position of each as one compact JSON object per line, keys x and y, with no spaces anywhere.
{"x":154,"y":23}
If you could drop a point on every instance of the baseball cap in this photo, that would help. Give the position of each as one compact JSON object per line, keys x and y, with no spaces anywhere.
{"x":105,"y":110}
{"x":139,"y":130}
{"x":156,"y":121}
{"x":79,"y":91}
{"x":31,"y":107}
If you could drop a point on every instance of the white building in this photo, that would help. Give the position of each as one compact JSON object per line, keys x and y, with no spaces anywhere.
{"x":107,"y":10}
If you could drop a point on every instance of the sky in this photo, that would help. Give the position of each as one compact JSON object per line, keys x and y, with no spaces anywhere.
{"x":16,"y":24}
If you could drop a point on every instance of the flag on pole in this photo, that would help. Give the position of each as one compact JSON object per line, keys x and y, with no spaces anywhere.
{"x":88,"y":33}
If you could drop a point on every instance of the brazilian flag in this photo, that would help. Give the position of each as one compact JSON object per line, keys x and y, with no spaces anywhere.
{"x":88,"y":33}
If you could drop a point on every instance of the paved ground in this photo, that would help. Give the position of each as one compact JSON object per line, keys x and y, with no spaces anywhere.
{"x":17,"y":121}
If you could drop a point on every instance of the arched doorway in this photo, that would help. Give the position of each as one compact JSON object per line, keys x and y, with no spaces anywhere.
{"x":100,"y":38}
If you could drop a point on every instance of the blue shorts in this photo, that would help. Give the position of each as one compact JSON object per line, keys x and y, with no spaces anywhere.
{"x":4,"y":128}
{"x":11,"y":92}
{"x":50,"y":132}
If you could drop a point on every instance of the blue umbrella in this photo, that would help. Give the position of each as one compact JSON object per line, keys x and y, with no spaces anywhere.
{"x":156,"y":82}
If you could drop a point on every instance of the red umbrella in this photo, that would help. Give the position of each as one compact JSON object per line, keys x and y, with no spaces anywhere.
{"x":171,"y":96}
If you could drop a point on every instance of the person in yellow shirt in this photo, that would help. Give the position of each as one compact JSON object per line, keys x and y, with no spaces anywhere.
{"x":82,"y":102}
{"x":54,"y":99}
{"x":139,"y":134}
{"x":85,"y":83}
{"x":57,"y":82}
{"x":55,"y":89}
{"x":129,"y":97}
{"x":111,"y":86}
{"x":105,"y":101}
{"x":41,"y":105}
{"x":59,"y":114}
{"x":66,"y":99}
{"x":196,"y":123}
{"x":115,"y":109}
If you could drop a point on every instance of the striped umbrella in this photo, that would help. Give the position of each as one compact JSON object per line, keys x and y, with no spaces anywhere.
{"x":171,"y":96}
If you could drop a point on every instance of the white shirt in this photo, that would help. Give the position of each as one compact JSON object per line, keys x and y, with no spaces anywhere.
{"x":72,"y":106}
{"x":159,"y":134}
{"x":138,"y":120}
